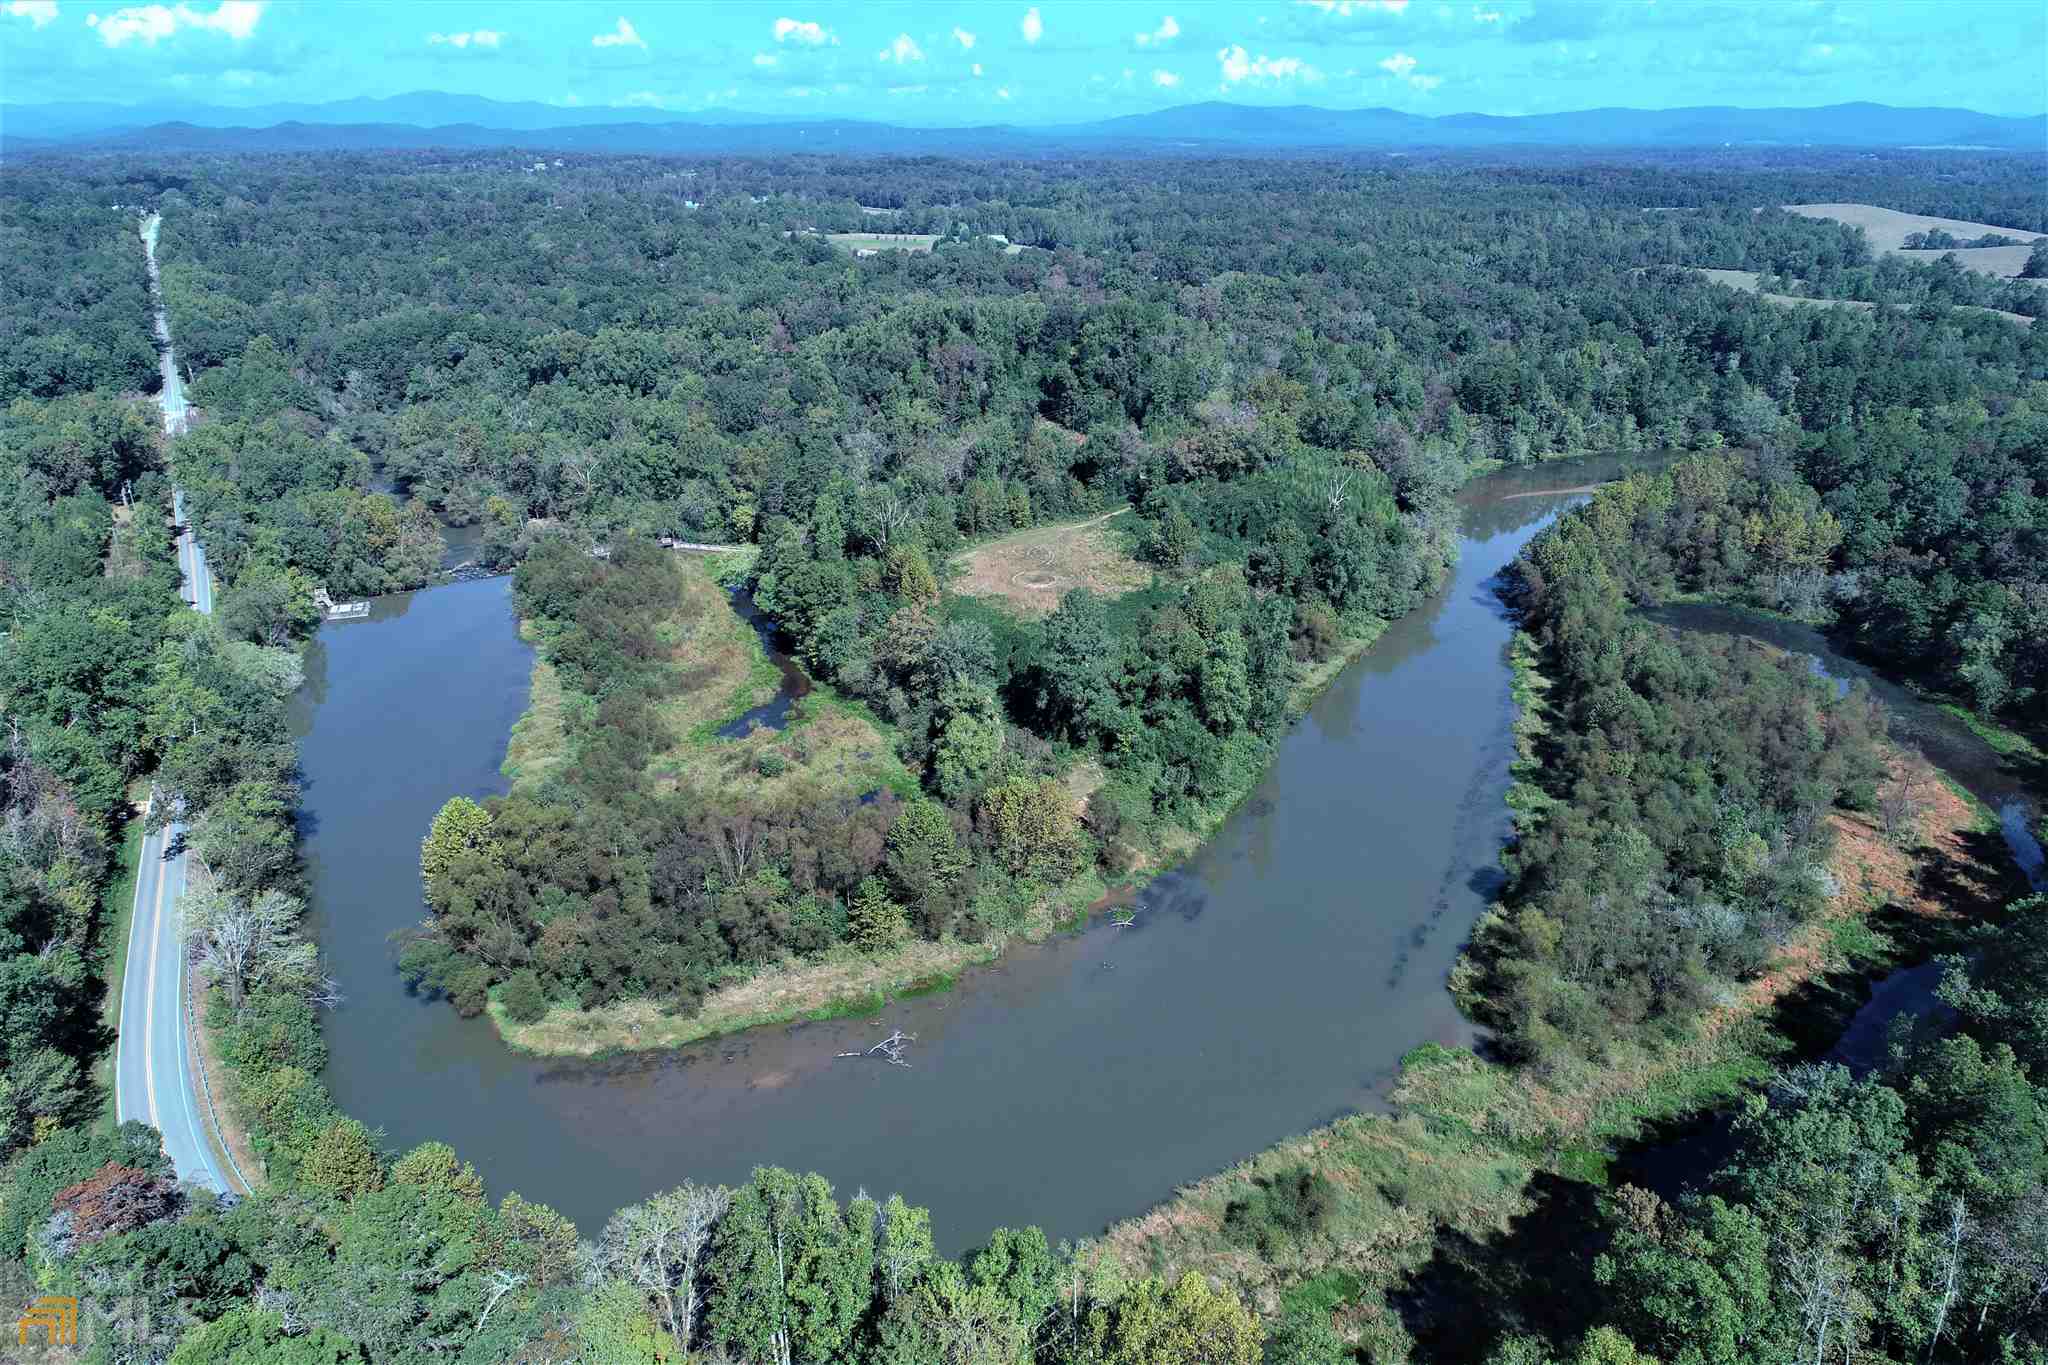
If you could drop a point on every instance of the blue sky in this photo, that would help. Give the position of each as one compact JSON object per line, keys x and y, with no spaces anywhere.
{"x":1050,"y":62}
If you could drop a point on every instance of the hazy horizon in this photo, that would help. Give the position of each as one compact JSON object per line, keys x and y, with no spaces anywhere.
{"x":1037,"y":64}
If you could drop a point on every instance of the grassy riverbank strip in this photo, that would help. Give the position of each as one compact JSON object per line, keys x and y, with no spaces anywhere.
{"x":841,"y":983}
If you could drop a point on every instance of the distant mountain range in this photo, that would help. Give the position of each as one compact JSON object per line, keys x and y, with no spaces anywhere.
{"x":434,"y":119}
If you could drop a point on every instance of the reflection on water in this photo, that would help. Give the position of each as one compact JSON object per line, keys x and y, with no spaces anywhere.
{"x":772,"y":714}
{"x":1270,"y":983}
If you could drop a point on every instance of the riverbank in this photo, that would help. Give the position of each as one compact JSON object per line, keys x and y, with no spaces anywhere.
{"x":1477,"y":1154}
{"x":842,"y":983}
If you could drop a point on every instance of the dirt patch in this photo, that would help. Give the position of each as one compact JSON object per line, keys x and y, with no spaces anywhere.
{"x":1032,"y":570}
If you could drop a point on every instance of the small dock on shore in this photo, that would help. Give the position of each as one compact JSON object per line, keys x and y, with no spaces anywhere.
{"x":331,"y":610}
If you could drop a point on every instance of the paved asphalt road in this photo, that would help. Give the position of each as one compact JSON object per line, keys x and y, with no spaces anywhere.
{"x":154,"y":1079}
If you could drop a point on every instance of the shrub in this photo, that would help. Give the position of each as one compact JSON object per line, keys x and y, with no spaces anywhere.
{"x":1281,"y":1211}
{"x":524,"y":1000}
{"x":1318,"y":634}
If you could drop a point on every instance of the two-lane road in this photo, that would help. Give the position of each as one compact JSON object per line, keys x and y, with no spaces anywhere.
{"x":154,"y":1080}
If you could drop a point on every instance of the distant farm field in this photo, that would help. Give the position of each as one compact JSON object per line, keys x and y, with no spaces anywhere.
{"x":1749,"y":282}
{"x":1886,"y":229}
{"x":882,"y":241}
{"x":1031,"y":570}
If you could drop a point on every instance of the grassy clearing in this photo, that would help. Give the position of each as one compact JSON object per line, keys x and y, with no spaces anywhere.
{"x":1886,"y":231}
{"x":1748,"y":281}
{"x":832,"y":748}
{"x":882,"y":241}
{"x":1029,"y":571}
{"x":117,"y":911}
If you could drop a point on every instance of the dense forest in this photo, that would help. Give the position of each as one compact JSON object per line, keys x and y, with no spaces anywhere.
{"x":1671,"y":845}
{"x":1286,"y":407}
{"x":1284,"y":372}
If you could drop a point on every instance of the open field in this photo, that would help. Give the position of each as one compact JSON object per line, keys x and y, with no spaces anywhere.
{"x":1749,"y":282}
{"x":1886,"y":229}
{"x":1031,"y":570}
{"x":882,"y":241}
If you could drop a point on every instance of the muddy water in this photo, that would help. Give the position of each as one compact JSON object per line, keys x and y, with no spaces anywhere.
{"x":1271,"y":983}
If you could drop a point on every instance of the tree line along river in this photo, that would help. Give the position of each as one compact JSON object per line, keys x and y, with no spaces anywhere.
{"x":1269,"y":984}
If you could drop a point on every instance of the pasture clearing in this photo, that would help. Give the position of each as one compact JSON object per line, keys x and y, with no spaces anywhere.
{"x":882,"y":241}
{"x":1886,"y":231}
{"x":1029,"y":571}
{"x":1749,"y":282}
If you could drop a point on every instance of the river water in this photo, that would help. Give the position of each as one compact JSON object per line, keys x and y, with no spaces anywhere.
{"x":1271,"y":983}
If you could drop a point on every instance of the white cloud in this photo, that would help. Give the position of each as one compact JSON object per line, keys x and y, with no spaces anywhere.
{"x":639,"y":99}
{"x":1346,"y":8}
{"x":902,"y":52}
{"x":37,"y":12}
{"x":625,"y":35}
{"x":1031,"y":26}
{"x":152,"y":23}
{"x":805,"y":32}
{"x":1485,"y":16}
{"x":1165,"y":80}
{"x":765,"y":59}
{"x":1401,"y":67}
{"x":977,"y":68}
{"x":483,"y":37}
{"x":1168,"y":30}
{"x":1238,"y":65}
{"x":964,"y":38}
{"x":1002,"y":92}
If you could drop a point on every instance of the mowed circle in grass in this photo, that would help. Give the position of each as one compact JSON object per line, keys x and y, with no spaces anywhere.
{"x":1029,"y":571}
